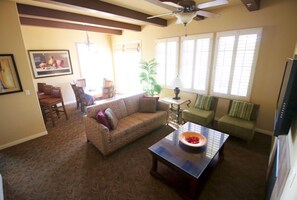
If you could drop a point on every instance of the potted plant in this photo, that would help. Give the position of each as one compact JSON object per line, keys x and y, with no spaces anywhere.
{"x":148,"y":77}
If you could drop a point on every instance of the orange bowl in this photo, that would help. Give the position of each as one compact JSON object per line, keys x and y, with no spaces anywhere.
{"x":185,"y":136}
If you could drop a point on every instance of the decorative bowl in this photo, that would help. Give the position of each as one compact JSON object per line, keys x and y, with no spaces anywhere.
{"x":192,"y":139}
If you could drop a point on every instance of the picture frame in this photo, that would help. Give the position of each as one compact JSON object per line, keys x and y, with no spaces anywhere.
{"x":49,"y":63}
{"x":9,"y":77}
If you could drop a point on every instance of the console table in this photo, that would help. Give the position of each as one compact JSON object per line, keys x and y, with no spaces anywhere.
{"x":177,"y":103}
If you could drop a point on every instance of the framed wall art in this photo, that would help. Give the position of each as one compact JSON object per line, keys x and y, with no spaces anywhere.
{"x":47,"y":63}
{"x":9,"y":77}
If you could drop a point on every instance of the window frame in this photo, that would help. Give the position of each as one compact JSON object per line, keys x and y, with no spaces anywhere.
{"x":194,"y":67}
{"x":237,"y":34}
{"x":167,"y":83}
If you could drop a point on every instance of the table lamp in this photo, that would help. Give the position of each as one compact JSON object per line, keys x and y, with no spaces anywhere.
{"x":176,"y":83}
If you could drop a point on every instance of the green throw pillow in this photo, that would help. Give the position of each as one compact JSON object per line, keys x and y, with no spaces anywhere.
{"x":203,"y":102}
{"x":241,"y":109}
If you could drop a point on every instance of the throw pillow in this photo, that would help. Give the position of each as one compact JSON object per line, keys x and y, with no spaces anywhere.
{"x":150,"y":97}
{"x":203,"y":102}
{"x":112,"y":118}
{"x":156,"y":98}
{"x":241,"y":109}
{"x":147,"y":105}
{"x":101,"y":118}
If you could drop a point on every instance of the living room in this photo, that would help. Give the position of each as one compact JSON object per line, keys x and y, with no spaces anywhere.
{"x":21,"y":119}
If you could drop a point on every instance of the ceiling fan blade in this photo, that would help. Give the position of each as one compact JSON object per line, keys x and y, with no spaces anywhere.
{"x":159,"y":15}
{"x":212,"y":4}
{"x":172,"y":4}
{"x":161,"y":4}
{"x":206,"y":14}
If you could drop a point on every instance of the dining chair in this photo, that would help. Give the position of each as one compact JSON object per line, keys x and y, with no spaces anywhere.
{"x":81,"y":82}
{"x":40,"y":88}
{"x":74,"y":88}
{"x":44,"y":91}
{"x":50,"y":106}
{"x":86,"y":100}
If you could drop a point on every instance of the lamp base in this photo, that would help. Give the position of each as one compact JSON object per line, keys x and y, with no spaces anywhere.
{"x":176,"y":92}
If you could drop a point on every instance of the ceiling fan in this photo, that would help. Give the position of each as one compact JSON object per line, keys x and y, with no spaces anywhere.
{"x":187,"y":10}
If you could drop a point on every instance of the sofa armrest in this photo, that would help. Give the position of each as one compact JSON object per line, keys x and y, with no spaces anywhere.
{"x":97,"y":134}
{"x":163,"y":106}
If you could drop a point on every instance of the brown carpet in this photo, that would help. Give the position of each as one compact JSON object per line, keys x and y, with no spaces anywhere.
{"x":62,"y":165}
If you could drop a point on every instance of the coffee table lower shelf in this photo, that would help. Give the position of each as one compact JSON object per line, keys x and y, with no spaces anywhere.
{"x":184,"y":184}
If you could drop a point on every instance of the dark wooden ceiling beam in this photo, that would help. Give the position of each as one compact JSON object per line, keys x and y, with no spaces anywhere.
{"x":56,"y":24}
{"x":28,"y":10}
{"x":103,"y":7}
{"x":252,"y":5}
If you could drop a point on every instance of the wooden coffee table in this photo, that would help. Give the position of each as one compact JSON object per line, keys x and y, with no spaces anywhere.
{"x":186,"y":168}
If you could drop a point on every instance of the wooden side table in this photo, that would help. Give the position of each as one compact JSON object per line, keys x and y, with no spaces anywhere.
{"x":177,"y":103}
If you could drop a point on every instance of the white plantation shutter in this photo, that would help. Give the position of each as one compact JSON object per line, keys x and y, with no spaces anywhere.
{"x":195,"y":62}
{"x":202,"y":64}
{"x":160,"y":59}
{"x":127,"y":57}
{"x":243,"y":64}
{"x":235,"y":62}
{"x":222,"y":70}
{"x":187,"y":63}
{"x":167,"y":59}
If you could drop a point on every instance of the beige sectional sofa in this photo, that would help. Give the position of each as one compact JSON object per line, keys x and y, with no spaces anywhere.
{"x":131,"y":125}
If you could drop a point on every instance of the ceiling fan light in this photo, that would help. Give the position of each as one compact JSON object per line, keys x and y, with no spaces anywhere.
{"x":184,"y":17}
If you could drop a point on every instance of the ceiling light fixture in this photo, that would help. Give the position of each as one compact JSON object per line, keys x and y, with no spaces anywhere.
{"x":185,"y":17}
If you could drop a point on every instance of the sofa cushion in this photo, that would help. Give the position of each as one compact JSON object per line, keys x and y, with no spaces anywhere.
{"x":237,"y":127}
{"x":147,"y":105}
{"x":125,"y":126}
{"x":199,"y":116}
{"x":241,"y":109}
{"x":102,"y":119}
{"x":112,"y":118}
{"x":149,"y":117}
{"x":132,"y":103}
{"x":118,"y":107}
{"x":203,"y":102}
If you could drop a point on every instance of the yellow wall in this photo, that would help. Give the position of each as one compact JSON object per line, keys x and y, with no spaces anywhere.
{"x":20,"y":117}
{"x":278,"y":19}
{"x":39,"y":38}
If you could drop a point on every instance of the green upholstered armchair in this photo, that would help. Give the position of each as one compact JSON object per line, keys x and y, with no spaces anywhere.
{"x":241,"y":120}
{"x":203,"y":112}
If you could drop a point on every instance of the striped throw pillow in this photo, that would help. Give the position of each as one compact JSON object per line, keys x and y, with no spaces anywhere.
{"x":203,"y":102}
{"x":241,"y":109}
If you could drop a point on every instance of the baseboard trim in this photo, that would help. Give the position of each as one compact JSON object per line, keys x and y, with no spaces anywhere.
{"x":22,"y":140}
{"x":266,"y":132}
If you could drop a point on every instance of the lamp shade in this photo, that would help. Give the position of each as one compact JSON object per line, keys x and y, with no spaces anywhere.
{"x":177,"y":82}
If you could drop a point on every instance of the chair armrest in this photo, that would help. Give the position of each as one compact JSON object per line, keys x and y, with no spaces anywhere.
{"x":97,"y":134}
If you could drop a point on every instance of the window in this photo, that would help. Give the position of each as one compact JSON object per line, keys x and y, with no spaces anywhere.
{"x":235,"y":62}
{"x":195,"y":62}
{"x":93,"y":67}
{"x":167,"y":59}
{"x":127,"y":58}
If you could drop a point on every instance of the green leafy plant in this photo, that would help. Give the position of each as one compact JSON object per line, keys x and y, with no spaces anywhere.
{"x":148,"y":77}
